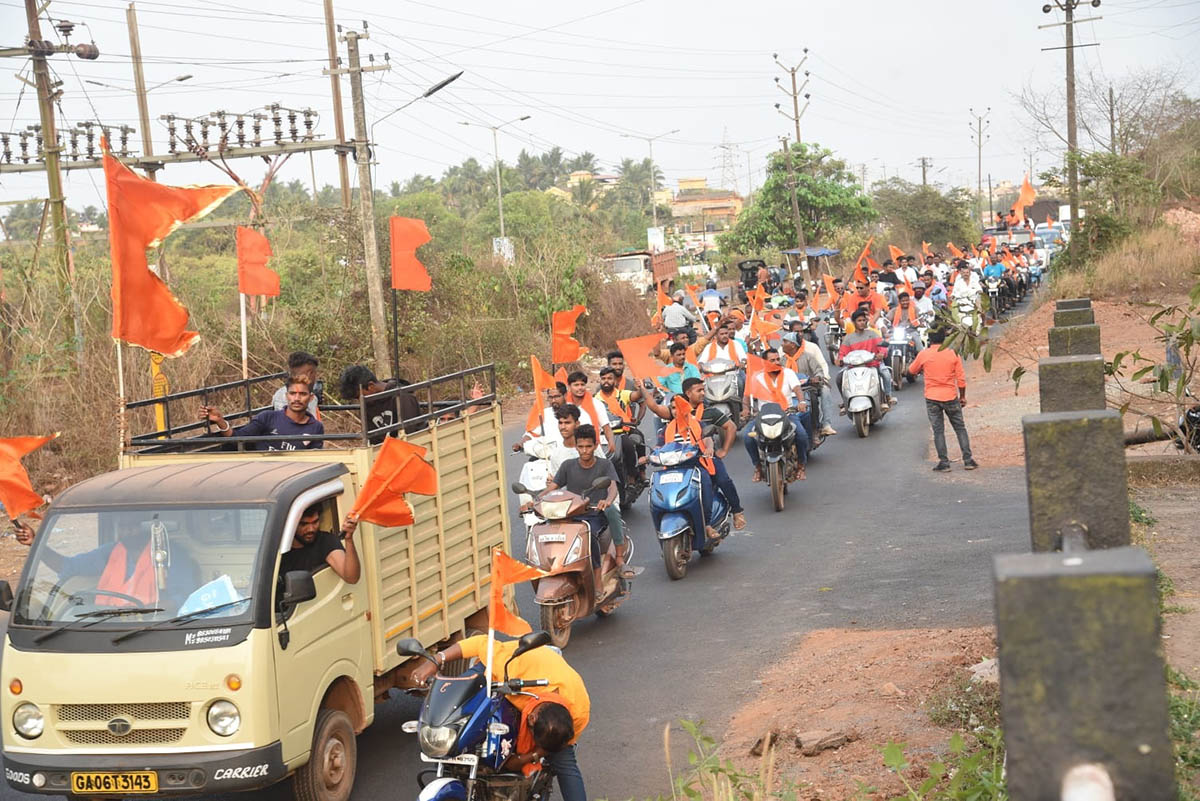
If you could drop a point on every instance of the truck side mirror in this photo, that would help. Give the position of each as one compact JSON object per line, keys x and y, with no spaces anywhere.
{"x":298,"y":587}
{"x":6,"y":597}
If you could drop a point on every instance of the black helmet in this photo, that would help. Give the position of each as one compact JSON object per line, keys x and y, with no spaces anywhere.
{"x":711,"y":284}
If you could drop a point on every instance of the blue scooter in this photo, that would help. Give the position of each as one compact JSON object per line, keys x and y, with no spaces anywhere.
{"x":468,"y":730}
{"x":678,"y":510}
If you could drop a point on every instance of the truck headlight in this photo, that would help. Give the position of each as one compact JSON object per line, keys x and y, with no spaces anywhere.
{"x":436,"y":741}
{"x":224,"y":718}
{"x":29,"y":721}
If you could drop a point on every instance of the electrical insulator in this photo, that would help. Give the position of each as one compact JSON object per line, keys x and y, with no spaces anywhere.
{"x":171,"y":146}
{"x":258,"y":118}
{"x":205,"y":124}
{"x":308,"y":123}
{"x":277,"y":121}
{"x":25,"y":146}
{"x":5,"y":150}
{"x":240,"y":122}
{"x":292,"y":124}
{"x":74,"y":143}
{"x":88,"y":52}
{"x":222,"y":125}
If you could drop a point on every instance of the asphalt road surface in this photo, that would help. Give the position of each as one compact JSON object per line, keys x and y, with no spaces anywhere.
{"x":873,"y":539}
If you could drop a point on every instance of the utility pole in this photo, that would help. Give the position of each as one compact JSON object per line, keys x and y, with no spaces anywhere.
{"x":991,"y":207}
{"x":796,"y":90}
{"x":925,"y":163}
{"x":653,"y":183}
{"x":1068,"y":8}
{"x":495,"y":129}
{"x":863,"y":169}
{"x":139,"y":86}
{"x":980,"y":125}
{"x":366,"y":197}
{"x":335,"y":84}
{"x":802,"y":245}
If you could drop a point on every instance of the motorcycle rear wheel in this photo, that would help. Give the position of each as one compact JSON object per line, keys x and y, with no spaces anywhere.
{"x":775,"y":479}
{"x":553,"y":618}
{"x":676,"y":553}
{"x":862,"y":423}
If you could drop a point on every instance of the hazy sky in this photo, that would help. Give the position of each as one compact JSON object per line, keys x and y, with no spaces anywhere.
{"x":890,"y":81}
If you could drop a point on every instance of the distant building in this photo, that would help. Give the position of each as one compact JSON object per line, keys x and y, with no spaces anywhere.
{"x":699,"y":213}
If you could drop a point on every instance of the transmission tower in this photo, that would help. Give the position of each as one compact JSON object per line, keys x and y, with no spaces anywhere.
{"x":729,"y":179}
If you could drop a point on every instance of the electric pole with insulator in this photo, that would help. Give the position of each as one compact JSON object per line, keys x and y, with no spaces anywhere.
{"x":979,"y":127}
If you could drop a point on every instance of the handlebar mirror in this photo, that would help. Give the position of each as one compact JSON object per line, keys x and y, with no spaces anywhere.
{"x":519,"y":488}
{"x":534,"y":639}
{"x":600,"y":483}
{"x":410,"y":646}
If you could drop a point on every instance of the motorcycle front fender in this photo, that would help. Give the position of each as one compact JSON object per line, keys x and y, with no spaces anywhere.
{"x":672,"y":523}
{"x":443,"y":789}
{"x":556,"y":589}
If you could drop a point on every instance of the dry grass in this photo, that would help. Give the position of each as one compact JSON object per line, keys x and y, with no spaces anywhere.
{"x":1144,"y":267}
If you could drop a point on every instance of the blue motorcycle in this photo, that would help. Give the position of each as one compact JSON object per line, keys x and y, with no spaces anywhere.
{"x":468,"y":730}
{"x":678,"y":510}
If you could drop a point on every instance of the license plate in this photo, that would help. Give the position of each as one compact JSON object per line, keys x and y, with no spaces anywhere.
{"x":552,"y":537}
{"x":671,"y":478}
{"x":461,"y":759}
{"x":132,"y":782}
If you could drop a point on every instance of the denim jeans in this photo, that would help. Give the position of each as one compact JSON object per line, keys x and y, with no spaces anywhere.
{"x":953,"y":411}
{"x":566,"y":769}
{"x":723,"y":481}
{"x":827,"y":413}
{"x":800,"y":421}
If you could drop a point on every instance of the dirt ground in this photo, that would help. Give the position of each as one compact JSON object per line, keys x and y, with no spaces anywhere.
{"x":874,"y":686}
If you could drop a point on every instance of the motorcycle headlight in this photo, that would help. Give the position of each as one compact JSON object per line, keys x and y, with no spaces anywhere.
{"x":772,"y":430}
{"x":29,"y":721}
{"x":575,"y":551}
{"x":436,"y":741}
{"x":224,"y":718}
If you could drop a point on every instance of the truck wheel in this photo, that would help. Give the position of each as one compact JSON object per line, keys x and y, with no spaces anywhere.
{"x":329,"y":773}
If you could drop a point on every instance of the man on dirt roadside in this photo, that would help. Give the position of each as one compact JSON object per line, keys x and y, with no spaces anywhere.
{"x":693,"y":392}
{"x":945,"y":392}
{"x":547,"y":734}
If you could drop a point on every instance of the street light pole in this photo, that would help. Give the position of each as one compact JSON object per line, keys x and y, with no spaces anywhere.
{"x":653,"y":187}
{"x":437,"y":87}
{"x":496,"y":157}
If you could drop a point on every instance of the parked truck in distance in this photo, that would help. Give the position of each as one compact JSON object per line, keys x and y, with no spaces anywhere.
{"x":643,"y":270}
{"x":233,"y":677}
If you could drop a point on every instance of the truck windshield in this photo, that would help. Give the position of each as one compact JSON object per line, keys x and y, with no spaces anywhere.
{"x":168,"y":562}
{"x":628,"y":266}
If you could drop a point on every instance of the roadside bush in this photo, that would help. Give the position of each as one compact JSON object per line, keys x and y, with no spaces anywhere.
{"x":1142,"y":264}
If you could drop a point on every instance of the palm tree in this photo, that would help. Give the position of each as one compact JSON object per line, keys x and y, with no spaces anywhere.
{"x":530,"y":168}
{"x":552,"y":167}
{"x":584,"y":162}
{"x":583,"y":193}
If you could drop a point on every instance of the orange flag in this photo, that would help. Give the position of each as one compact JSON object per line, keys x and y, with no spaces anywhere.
{"x":908,"y":286}
{"x":1025,"y":199}
{"x":560,"y":375}
{"x":958,"y":254}
{"x":874,"y":265}
{"x":253,"y":252}
{"x":399,"y":467}
{"x":763,"y":380}
{"x":830,"y":291}
{"x":639,"y":359}
{"x":763,"y":328}
{"x":542,"y":381}
{"x":140,"y":214}
{"x":16,"y":491}
{"x":407,"y":235}
{"x":895,"y":252}
{"x":691,"y":290}
{"x":505,"y":571}
{"x":925,"y":249}
{"x":860,"y":277}
{"x":564,"y":348}
{"x":757,"y":298}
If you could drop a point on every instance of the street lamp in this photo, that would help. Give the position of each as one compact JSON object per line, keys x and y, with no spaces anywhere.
{"x":177,"y":78}
{"x":437,"y":87}
{"x":650,"y":142}
{"x":496,"y":156}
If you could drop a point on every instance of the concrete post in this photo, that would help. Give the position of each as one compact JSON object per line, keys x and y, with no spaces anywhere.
{"x":1081,"y":672}
{"x":1073,"y":303}
{"x":1074,"y":340}
{"x":1071,"y":383}
{"x":1075,"y":474}
{"x":1065,"y":317}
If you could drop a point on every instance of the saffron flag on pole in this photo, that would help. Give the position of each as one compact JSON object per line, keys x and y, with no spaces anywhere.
{"x":140,"y":215}
{"x":408,"y":234}
{"x":542,"y":381}
{"x":253,"y":253}
{"x":505,"y":571}
{"x":637,"y":352}
{"x":1024,"y":199}
{"x":764,"y":380}
{"x":564,"y":348}
{"x":925,"y":249}
{"x":399,"y":467}
{"x":16,"y":491}
{"x":895,"y":252}
{"x":958,"y":254}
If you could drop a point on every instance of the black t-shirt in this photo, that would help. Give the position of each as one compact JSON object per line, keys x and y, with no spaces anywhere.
{"x":382,"y":413}
{"x":713,"y":416}
{"x":311,"y":557}
{"x":889,"y":278}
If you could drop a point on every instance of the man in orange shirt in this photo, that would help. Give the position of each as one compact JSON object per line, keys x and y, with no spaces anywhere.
{"x":863,"y":294}
{"x":945,"y":392}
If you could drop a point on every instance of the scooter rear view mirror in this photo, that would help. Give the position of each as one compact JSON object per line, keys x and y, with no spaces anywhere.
{"x":519,"y":488}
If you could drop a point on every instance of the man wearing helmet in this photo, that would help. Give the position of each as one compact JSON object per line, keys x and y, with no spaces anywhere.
{"x":711,"y":299}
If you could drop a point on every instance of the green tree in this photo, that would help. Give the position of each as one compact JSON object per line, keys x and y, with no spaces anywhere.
{"x":913,"y":213}
{"x":584,"y":162}
{"x":829,"y":196}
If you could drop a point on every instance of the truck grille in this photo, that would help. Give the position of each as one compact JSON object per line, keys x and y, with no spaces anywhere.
{"x":102,"y":713}
{"x":135,"y":737}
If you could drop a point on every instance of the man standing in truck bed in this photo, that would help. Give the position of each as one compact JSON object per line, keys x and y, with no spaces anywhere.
{"x":292,"y":421}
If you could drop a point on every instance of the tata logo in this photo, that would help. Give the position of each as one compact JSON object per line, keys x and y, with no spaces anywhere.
{"x":120,"y":726}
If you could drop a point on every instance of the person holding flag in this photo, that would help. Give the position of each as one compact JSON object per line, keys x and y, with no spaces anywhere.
{"x":771,"y":382}
{"x":552,"y":717}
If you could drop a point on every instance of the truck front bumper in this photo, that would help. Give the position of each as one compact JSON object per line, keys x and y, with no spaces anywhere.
{"x":188,"y":773}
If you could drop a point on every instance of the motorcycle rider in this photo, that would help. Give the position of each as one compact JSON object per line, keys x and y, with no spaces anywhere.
{"x":556,"y":397}
{"x":620,"y":404}
{"x":862,"y":294}
{"x":724,"y":346}
{"x":906,"y":314}
{"x":693,"y":392}
{"x":922,"y":301}
{"x":966,"y":283}
{"x":994,"y":268}
{"x":711,"y":299}
{"x":677,"y":318}
{"x":804,"y":357}
{"x":783,"y":384}
{"x":935,"y":289}
{"x":863,"y":339}
{"x":550,"y":741}
{"x":589,"y":413}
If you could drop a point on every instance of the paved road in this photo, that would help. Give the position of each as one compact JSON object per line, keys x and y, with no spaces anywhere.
{"x":872,"y":539}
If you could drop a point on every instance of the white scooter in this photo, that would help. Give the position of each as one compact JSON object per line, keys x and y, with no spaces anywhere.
{"x":535,"y":473}
{"x":862,"y":390}
{"x":721,"y":390}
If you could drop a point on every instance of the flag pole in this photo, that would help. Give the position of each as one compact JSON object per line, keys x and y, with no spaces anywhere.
{"x":121,"y":423}
{"x":245,"y":354}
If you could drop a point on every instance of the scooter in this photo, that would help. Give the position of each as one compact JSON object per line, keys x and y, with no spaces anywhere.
{"x":535,"y":473}
{"x":632,"y":486}
{"x":561,"y":544}
{"x":833,"y":336}
{"x":468,"y":728}
{"x":900,"y":355}
{"x":721,"y":389}
{"x":862,"y":390}
{"x":775,"y":434}
{"x":678,"y":510}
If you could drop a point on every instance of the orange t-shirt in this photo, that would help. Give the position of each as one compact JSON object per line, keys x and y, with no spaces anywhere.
{"x":943,"y":369}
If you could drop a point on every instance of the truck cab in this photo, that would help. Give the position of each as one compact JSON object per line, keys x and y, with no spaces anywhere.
{"x":154,"y":648}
